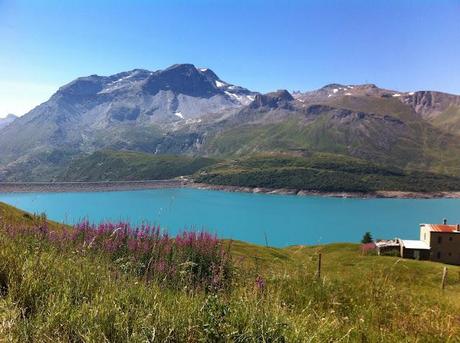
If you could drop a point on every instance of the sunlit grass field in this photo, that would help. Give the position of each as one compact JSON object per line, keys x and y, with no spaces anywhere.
{"x":76,"y":292}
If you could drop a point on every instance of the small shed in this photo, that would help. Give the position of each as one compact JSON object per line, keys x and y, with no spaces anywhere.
{"x":415,"y":249}
{"x":388,"y":247}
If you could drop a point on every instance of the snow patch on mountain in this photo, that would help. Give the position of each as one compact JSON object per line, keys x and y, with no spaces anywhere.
{"x":220,"y":84}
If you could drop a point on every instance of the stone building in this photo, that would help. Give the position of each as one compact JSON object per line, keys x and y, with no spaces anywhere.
{"x":443,"y":240}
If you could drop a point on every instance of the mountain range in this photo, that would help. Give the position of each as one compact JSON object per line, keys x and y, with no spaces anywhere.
{"x":188,"y":111}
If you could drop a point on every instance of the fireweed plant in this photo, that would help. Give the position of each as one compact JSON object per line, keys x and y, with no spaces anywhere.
{"x":191,"y":260}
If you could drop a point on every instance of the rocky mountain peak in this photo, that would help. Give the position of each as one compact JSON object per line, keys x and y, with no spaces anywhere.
{"x":181,"y":79}
{"x":181,"y":68}
{"x":139,"y":98}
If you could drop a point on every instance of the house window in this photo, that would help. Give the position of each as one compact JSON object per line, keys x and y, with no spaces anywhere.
{"x":439,"y":239}
{"x":438,"y":255}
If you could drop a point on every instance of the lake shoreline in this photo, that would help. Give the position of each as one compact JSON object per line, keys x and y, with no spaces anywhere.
{"x":106,"y":186}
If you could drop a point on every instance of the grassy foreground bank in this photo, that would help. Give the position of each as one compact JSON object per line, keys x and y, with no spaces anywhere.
{"x":80,"y":293}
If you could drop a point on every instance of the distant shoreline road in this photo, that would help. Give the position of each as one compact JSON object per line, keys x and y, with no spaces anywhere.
{"x":106,"y":186}
{"x":98,"y":186}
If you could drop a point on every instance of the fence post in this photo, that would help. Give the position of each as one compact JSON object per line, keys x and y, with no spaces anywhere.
{"x":444,"y":277}
{"x":318,"y":274}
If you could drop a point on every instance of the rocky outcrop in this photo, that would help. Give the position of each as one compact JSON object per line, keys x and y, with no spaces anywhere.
{"x":430,"y":104}
{"x":280,"y":98}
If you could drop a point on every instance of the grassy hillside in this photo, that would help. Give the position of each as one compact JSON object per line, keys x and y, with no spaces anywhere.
{"x":123,"y":165}
{"x":449,"y":120}
{"x":375,"y":104}
{"x":55,"y":290}
{"x":323,"y":172}
{"x":429,"y":144}
{"x":380,"y":130}
{"x":10,"y":215}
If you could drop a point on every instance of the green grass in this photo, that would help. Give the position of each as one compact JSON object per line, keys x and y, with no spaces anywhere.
{"x":66,"y":295}
{"x":110,"y":165}
{"x":323,"y":172}
{"x":449,"y":120}
{"x":373,"y":104}
{"x":13,"y":216}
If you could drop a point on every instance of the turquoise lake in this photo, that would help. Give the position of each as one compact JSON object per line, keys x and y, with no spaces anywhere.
{"x":281,"y":220}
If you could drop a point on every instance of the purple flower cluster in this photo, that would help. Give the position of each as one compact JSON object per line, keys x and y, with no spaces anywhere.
{"x":367,"y":247}
{"x":191,"y":259}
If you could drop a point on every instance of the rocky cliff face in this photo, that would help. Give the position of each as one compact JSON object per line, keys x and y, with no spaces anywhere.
{"x":430,"y":104}
{"x":280,"y":98}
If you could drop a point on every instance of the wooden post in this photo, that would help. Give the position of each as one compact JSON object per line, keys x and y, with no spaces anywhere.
{"x":444,"y":277}
{"x":318,"y":274}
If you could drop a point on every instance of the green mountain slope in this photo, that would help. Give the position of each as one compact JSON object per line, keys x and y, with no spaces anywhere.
{"x":410,"y":142}
{"x":322,"y":172}
{"x":449,"y":120}
{"x":124,"y":165}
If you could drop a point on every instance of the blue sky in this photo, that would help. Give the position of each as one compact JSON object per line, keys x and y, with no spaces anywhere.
{"x":262,"y":45}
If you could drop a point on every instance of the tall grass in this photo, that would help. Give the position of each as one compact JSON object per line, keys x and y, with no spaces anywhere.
{"x":194,"y":260}
{"x":114,"y":283}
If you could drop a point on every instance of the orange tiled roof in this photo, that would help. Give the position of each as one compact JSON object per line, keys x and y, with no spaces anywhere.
{"x":443,"y":228}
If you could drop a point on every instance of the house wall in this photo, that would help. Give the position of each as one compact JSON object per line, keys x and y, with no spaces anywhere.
{"x":425,"y":233}
{"x":445,"y":247}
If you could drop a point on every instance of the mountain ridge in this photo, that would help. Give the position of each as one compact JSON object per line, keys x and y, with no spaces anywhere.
{"x":187,"y":110}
